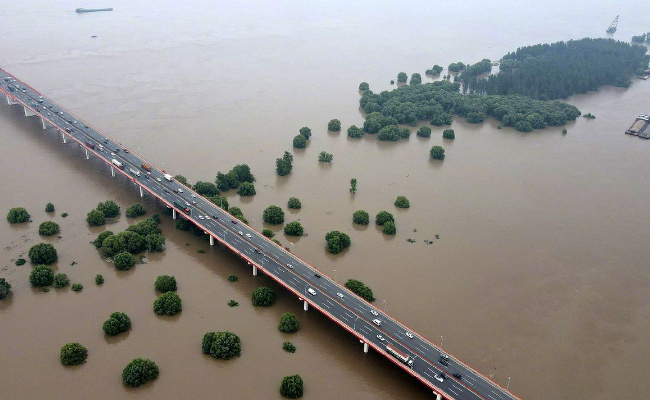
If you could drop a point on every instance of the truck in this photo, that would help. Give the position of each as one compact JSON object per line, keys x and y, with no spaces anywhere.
{"x":185,"y":209}
{"x":146,"y":167}
{"x":168,"y":177}
{"x":400,"y":355}
{"x":90,"y":145}
{"x":117,"y":164}
{"x":134,"y":171}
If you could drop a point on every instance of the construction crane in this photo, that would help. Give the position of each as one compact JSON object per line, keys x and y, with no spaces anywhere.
{"x":612,"y":27}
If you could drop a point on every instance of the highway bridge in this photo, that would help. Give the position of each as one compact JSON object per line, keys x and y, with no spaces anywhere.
{"x":444,"y":373}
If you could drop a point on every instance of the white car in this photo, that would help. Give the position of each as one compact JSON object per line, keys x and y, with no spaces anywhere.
{"x":409,"y":334}
{"x":376,"y":322}
{"x":200,"y":216}
{"x":187,"y":204}
{"x":438,"y":378}
{"x":381,"y":338}
{"x":290,"y":266}
{"x":374,"y":312}
{"x":206,"y":217}
{"x":193,"y":195}
{"x":248,"y":235}
{"x":159,"y":180}
{"x":180,"y":190}
{"x":340,"y":295}
{"x":241,"y":233}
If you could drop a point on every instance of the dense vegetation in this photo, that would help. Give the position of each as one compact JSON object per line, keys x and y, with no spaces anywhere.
{"x":77,"y":287}
{"x":416,"y":79}
{"x":424,"y":132}
{"x":382,"y":217}
{"x":335,"y":125}
{"x":359,"y":288}
{"x":48,"y":228}
{"x":402,"y":77}
{"x":299,"y":142}
{"x":109,"y":208}
{"x":288,"y":323}
{"x":165,"y":283}
{"x":353,"y":185}
{"x":355,"y":132}
{"x":95,"y":218}
{"x":99,"y":279}
{"x":436,"y":70}
{"x":42,"y":253}
{"x":448,"y":134}
{"x":73,"y":354}
{"x":294,"y":203}
{"x":219,"y":201}
{"x":139,"y":371}
{"x":337,"y":241}
{"x":273,"y":215}
{"x":293,"y":228}
{"x":324,"y":156}
{"x":207,"y":189}
{"x":17,"y":215}
{"x":263,"y":297}
{"x":284,"y":165}
{"x":289,"y":347}
{"x":238,"y":174}
{"x":364,"y":86}
{"x":181,"y":179}
{"x":235,"y":212}
{"x":49,"y":207}
{"x":437,"y":153}
{"x":246,"y":189}
{"x":135,"y":210}
{"x":389,"y":228}
{"x":145,"y":235}
{"x":559,"y":70}
{"x":41,"y":275}
{"x":117,"y":323}
{"x":361,"y":217}
{"x":5,"y":288}
{"x":123,"y":261}
{"x":223,"y":345}
{"x":292,"y":387}
{"x":306,"y":132}
{"x":167,"y":304}
{"x":402,"y":202}
{"x":61,"y":280}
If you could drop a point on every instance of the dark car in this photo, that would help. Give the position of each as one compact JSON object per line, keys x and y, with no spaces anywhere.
{"x":443,"y":362}
{"x":317,"y":275}
{"x":457,"y":375}
{"x":233,"y":221}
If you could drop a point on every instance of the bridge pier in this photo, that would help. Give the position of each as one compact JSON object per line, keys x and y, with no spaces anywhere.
{"x":11,"y":101}
{"x":173,"y":213}
{"x":87,"y":156}
{"x":254,"y":270}
{"x":438,"y":396}
{"x":112,"y":172}
{"x":43,"y":122}
{"x":28,"y":112}
{"x":365,"y":347}
{"x":211,"y":240}
{"x":141,"y":192}
{"x":305,"y":305}
{"x":65,"y":140}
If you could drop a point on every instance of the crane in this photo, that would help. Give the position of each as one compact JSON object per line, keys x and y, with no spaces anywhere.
{"x":612,"y":27}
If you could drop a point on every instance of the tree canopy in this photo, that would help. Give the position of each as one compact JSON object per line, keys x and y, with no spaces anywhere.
{"x":437,"y":153}
{"x":135,"y":210}
{"x":48,"y":228}
{"x":17,"y":215}
{"x":41,"y":275}
{"x":382,"y":217}
{"x":389,"y":228}
{"x":293,"y":228}
{"x":355,"y":132}
{"x":165,"y":283}
{"x":246,"y":189}
{"x":335,"y":125}
{"x":117,"y":323}
{"x":288,"y":323}
{"x":450,"y":134}
{"x":222,"y":345}
{"x":73,"y":354}
{"x":402,"y":202}
{"x":168,"y":304}
{"x":361,"y":217}
{"x":299,"y":142}
{"x":424,"y":132}
{"x":337,"y":241}
{"x":273,"y":215}
{"x":306,"y":132}
{"x":284,"y":165}
{"x":49,"y":207}
{"x":292,"y":387}
{"x":43,"y":253}
{"x":95,"y":218}
{"x":263,"y":297}
{"x":324,"y":156}
{"x":360,"y":289}
{"x":140,"y":371}
{"x":402,"y":77}
{"x":123,"y":260}
{"x":294,"y":203}
{"x":206,"y":189}
{"x":231,"y":180}
{"x":109,"y":208}
{"x":5,"y":288}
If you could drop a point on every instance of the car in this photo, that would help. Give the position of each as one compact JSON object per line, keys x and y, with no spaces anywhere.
{"x":290,"y":266}
{"x":187,"y":204}
{"x":457,"y":375}
{"x":376,"y":322}
{"x":340,"y":295}
{"x":438,"y":378}
{"x":159,"y":180}
{"x":381,"y":338}
{"x":311,"y":291}
{"x":206,"y":217}
{"x":69,"y":121}
{"x":258,"y":251}
{"x":113,"y":154}
{"x":86,"y":126}
{"x":146,"y":176}
{"x":443,"y":362}
{"x":215,"y":217}
{"x":409,"y":334}
{"x":126,"y":150}
{"x":241,"y":233}
{"x":105,"y":140}
{"x":194,"y":202}
{"x":60,"y":112}
{"x":67,"y":130}
{"x":200,"y":216}
{"x":74,"y":122}
{"x":233,"y":221}
{"x":444,"y":356}
{"x":317,"y":275}
{"x":248,"y":235}
{"x":117,"y":150}
{"x":179,"y":189}
{"x":374,"y":312}
{"x":193,"y":195}
{"x":165,"y":190}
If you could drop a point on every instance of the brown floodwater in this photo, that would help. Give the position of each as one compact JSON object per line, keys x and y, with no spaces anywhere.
{"x":540,"y":273}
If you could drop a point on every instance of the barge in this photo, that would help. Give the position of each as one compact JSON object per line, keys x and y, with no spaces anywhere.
{"x":85,"y":10}
{"x":640,"y":127}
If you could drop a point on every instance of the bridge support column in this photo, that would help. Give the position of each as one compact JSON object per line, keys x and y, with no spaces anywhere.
{"x":43,"y":122}
{"x":65,"y":140}
{"x":254,"y":270}
{"x":11,"y":101}
{"x":305,"y":305}
{"x":28,"y":112}
{"x":141,"y":192}
{"x":211,"y":240}
{"x":365,"y":347}
{"x":173,"y":213}
{"x":87,"y":156}
{"x":438,"y":396}
{"x":113,"y":172}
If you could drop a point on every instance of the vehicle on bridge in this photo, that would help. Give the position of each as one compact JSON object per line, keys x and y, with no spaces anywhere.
{"x":400,"y":355}
{"x":134,"y":171}
{"x":117,"y":164}
{"x":146,"y":167}
{"x":168,"y":177}
{"x":185,"y":209}
{"x":90,"y":145}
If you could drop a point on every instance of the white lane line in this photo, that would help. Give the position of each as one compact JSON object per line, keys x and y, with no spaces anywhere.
{"x":344,"y":317}
{"x":457,"y":387}
{"x":453,"y":391}
{"x":471,"y":377}
{"x":497,"y":394}
{"x":325,"y":305}
{"x":427,"y":374}
{"x":491,"y":397}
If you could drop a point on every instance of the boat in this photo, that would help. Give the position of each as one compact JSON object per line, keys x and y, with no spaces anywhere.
{"x":639,"y":127}
{"x":86,"y":10}
{"x":93,"y":36}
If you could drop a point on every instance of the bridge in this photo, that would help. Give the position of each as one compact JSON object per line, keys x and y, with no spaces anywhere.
{"x":446,"y":375}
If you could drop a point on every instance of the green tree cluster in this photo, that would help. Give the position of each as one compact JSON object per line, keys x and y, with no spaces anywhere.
{"x":221,"y":345}
{"x":117,"y":323}
{"x":469,"y":75}
{"x":109,"y":208}
{"x":144,"y":235}
{"x":61,"y":280}
{"x":99,"y":279}
{"x":416,"y":79}
{"x":364,"y":86}
{"x":448,"y":134}
{"x":42,"y":253}
{"x":288,"y":347}
{"x":402,"y":202}
{"x":293,"y":228}
{"x":292,"y":387}
{"x":41,"y":276}
{"x":456,"y":67}
{"x":361,"y":217}
{"x":355,"y":132}
{"x":135,"y":210}
{"x":435,"y":70}
{"x":219,"y":201}
{"x":393,"y":133}
{"x":424,"y":132}
{"x":48,"y":228}
{"x":139,"y":372}
{"x":238,"y":174}
{"x":288,"y":323}
{"x":437,"y":153}
{"x":77,"y":287}
{"x":123,"y":261}
{"x":324,"y":156}
{"x":402,"y":77}
{"x":168,"y":304}
{"x":382,"y":217}
{"x":299,"y":142}
{"x":73,"y":354}
{"x":337,"y":241}
{"x":284,"y":165}
{"x":5,"y":288}
{"x":165,"y":283}
{"x":237,"y":213}
{"x":268,"y":233}
{"x":360,"y":289}
{"x":207,"y":189}
{"x":389,"y":228}
{"x":246,"y":189}
{"x":263,"y":297}
{"x":49,"y":207}
{"x":306,"y":132}
{"x":17,"y":215}
{"x":182,"y":180}
{"x":294,"y":203}
{"x":353,"y":185}
{"x":273,"y":215}
{"x":95,"y":218}
{"x":335,"y":125}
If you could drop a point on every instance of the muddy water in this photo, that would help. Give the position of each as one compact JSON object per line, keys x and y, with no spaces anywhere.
{"x":539,"y":273}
